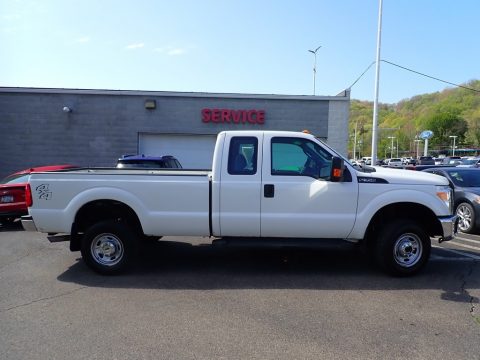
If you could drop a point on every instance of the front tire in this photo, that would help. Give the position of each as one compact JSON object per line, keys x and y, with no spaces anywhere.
{"x":466,"y":214}
{"x":402,"y":248}
{"x":108,"y":247}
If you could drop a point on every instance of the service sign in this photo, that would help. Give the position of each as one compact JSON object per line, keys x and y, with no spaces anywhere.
{"x":256,"y":117}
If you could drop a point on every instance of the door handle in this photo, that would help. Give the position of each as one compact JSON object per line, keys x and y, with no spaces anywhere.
{"x":269,"y":190}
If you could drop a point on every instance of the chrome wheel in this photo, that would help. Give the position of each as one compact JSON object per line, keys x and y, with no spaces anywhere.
{"x":465,"y":215}
{"x":407,"y":250}
{"x":107,"y":249}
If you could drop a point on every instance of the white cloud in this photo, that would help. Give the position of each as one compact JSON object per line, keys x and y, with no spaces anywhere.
{"x":170,"y":51}
{"x":11,"y":17}
{"x":135,"y":46}
{"x":83,"y":39}
{"x":177,"y":51}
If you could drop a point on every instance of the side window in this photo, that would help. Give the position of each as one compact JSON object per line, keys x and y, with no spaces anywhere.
{"x":300,"y":157}
{"x":242,"y":155}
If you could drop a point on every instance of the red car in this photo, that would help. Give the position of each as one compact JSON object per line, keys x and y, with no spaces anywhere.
{"x":12,"y":192}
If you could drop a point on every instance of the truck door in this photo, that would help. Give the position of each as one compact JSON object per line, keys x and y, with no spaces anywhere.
{"x":298,"y":199}
{"x":240,"y":189}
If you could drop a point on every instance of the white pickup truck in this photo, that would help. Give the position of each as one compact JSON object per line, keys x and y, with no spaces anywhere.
{"x":272,"y":187}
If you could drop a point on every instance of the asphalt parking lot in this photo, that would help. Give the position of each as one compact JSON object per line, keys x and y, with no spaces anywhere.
{"x":187,"y":299}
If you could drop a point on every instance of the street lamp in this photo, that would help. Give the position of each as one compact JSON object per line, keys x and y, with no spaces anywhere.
{"x":377,"y":83}
{"x":453,"y":147}
{"x":391,"y":150}
{"x":417,"y":141}
{"x":314,"y":52}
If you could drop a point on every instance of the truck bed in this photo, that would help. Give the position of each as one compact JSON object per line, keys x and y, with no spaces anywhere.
{"x":168,"y":202}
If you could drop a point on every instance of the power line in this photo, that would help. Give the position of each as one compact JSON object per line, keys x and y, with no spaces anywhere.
{"x":431,"y":77}
{"x":416,"y":72}
{"x":368,"y":68}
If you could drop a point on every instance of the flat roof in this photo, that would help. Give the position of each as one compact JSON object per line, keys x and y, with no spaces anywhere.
{"x":344,"y":95}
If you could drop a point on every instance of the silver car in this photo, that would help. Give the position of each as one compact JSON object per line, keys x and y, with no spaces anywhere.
{"x":395,"y":162}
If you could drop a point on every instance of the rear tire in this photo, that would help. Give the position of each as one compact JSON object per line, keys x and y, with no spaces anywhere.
{"x":402,"y":248}
{"x":108,"y":247}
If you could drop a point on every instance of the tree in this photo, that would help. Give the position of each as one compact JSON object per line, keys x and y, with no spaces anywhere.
{"x":445,"y":124}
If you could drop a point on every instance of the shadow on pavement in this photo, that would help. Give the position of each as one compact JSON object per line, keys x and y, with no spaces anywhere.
{"x":11,"y":226}
{"x":172,"y":266}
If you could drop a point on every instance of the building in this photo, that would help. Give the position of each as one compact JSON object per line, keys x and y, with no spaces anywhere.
{"x":95,"y":127}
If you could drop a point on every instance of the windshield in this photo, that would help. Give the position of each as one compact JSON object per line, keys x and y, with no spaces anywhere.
{"x":334,"y":151}
{"x":140,"y":164}
{"x":464,"y":178}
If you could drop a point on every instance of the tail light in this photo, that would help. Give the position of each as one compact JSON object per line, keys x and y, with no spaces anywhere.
{"x":28,"y":195}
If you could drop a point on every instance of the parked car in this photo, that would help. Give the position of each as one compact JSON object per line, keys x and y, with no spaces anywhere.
{"x":466,"y":182}
{"x":151,"y":162}
{"x":12,"y":192}
{"x":367,"y":160}
{"x":426,"y":160}
{"x":407,"y":160}
{"x":470,"y":163}
{"x":452,"y":160}
{"x":395,"y":162}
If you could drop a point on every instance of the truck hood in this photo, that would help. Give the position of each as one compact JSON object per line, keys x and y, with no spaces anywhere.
{"x":404,"y":177}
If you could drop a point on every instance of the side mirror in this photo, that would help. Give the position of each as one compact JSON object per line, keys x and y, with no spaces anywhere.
{"x":338,"y":167}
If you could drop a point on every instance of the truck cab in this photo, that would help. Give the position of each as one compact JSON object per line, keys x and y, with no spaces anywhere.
{"x":286,"y":186}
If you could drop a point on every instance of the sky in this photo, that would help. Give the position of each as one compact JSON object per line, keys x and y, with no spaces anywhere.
{"x":242,"y":46}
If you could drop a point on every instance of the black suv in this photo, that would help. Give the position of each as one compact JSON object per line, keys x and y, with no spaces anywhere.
{"x":426,"y":160}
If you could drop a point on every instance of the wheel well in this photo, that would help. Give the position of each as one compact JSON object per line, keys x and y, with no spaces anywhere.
{"x":460,"y":201}
{"x":102,"y":210}
{"x":410,"y":211}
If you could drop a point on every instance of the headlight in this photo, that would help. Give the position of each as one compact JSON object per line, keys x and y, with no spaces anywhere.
{"x":444,"y":193}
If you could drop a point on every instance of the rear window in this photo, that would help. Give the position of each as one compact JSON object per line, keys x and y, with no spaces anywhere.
{"x":242,"y":156}
{"x":465,"y":178}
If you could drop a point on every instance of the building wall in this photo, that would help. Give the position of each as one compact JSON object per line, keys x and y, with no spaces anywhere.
{"x":34,"y":130}
{"x":338,"y":116}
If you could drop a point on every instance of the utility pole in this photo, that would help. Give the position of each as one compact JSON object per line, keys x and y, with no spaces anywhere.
{"x":453,"y":147}
{"x":314,"y":52}
{"x":377,"y":82}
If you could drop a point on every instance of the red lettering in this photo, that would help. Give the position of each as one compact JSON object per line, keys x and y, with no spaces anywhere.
{"x":250,"y":116}
{"x":225,"y":115}
{"x":244,"y":117}
{"x":216,"y":115}
{"x":233,"y":116}
{"x":206,"y":115}
{"x":236,"y":116}
{"x":260,"y":117}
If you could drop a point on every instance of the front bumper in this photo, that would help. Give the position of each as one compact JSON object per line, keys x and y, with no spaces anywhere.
{"x":449,"y":227}
{"x":28,"y":223}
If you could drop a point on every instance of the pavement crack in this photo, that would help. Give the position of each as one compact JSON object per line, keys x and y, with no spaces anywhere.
{"x":22,"y":257}
{"x":43,"y":299}
{"x":473,"y":300}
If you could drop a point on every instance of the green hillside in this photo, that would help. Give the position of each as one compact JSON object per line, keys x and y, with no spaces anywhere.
{"x":451,"y":112}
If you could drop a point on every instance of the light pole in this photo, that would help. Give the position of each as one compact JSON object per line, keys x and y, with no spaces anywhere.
{"x":453,"y":147}
{"x":314,"y":52}
{"x":377,"y":83}
{"x":417,"y":141}
{"x":391,"y":149}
